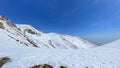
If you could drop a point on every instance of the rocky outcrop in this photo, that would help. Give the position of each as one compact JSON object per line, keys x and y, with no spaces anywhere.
{"x":42,"y":66}
{"x":9,"y":23}
{"x":46,"y":66}
{"x":2,"y":26}
{"x":3,"y":61}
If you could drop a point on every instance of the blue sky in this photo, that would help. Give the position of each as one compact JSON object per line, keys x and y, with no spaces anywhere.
{"x":96,"y":20}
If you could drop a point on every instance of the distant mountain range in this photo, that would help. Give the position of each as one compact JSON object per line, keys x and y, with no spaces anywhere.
{"x":26,"y":35}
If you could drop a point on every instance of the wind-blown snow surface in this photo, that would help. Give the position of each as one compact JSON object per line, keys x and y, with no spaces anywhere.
{"x":100,"y":57}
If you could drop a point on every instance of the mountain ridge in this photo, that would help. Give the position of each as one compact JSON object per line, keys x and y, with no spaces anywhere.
{"x":23,"y":46}
{"x":36,"y":38}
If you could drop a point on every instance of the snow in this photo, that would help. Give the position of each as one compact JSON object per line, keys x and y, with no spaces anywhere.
{"x":54,"y":40}
{"x":23,"y":27}
{"x":65,"y":53}
{"x":27,"y":35}
{"x":11,"y":35}
{"x":114,"y":44}
{"x":24,"y":57}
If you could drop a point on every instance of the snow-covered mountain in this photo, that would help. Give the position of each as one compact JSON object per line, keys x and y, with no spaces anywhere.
{"x":27,"y":35}
{"x":114,"y":44}
{"x":19,"y":44}
{"x":106,"y":56}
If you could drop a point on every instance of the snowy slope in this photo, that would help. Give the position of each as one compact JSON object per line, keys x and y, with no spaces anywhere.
{"x":11,"y":32}
{"x":100,"y":57}
{"x":114,"y":44}
{"x":54,"y":40}
{"x":29,"y":36}
{"x":15,"y":39}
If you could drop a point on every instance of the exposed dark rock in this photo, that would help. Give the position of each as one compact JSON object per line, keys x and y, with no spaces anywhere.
{"x":2,"y":26}
{"x":42,"y":66}
{"x":30,"y":31}
{"x":50,"y":42}
{"x":3,"y":18}
{"x":9,"y":23}
{"x":3,"y":61}
{"x":33,"y":43}
{"x":63,"y":67}
{"x":17,"y":40}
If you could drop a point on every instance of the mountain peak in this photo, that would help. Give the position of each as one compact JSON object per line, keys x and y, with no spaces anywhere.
{"x":5,"y":22}
{"x":23,"y":34}
{"x":3,"y":18}
{"x":25,"y":28}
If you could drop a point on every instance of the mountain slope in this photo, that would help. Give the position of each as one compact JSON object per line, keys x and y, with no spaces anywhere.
{"x":14,"y":38}
{"x":11,"y":32}
{"x":53,"y":39}
{"x":99,"y":57}
{"x":114,"y":44}
{"x":29,"y":36}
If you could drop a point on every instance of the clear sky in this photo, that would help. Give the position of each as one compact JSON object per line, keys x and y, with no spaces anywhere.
{"x":96,"y":20}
